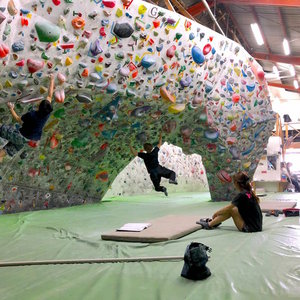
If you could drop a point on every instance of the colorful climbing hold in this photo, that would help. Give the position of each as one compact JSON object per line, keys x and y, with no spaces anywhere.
{"x":197,"y":55}
{"x":47,"y":32}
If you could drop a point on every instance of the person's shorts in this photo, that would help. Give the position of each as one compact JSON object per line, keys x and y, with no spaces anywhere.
{"x":245,"y":228}
{"x":16,"y":141}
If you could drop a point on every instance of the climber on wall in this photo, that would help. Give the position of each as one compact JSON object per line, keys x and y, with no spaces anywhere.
{"x":155,"y":170}
{"x":32,"y":124}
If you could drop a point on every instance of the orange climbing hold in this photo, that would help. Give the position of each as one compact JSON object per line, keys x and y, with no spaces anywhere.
{"x":85,"y":73}
{"x":166,"y":95}
{"x":78,"y":23}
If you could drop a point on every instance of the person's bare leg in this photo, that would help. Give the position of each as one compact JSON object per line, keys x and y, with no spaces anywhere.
{"x":219,"y":219}
{"x":237,"y":218}
{"x":234,"y":214}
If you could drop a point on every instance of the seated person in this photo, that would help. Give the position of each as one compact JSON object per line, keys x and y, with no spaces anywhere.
{"x":32,"y":123}
{"x":244,"y":208}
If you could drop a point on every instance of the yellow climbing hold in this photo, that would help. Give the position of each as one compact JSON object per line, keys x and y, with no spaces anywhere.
{"x":69,"y":61}
{"x":192,"y":70}
{"x":142,"y":9}
{"x":137,"y":58}
{"x":113,"y":40}
{"x":8,"y":84}
{"x":78,"y":56}
{"x":237,"y":71}
{"x":247,"y":164}
{"x":98,"y":68}
{"x":119,"y":13}
{"x":176,"y":108}
{"x":29,"y":16}
{"x":43,"y":90}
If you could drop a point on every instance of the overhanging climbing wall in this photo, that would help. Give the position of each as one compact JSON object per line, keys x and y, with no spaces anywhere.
{"x":135,"y":180}
{"x":124,"y":70}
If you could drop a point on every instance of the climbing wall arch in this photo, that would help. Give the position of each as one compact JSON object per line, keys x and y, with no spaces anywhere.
{"x":124,"y":70}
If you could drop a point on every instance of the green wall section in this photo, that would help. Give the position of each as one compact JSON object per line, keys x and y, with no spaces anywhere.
{"x":124,"y":72}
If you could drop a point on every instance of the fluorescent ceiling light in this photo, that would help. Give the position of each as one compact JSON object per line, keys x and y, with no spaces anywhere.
{"x":296,"y":84}
{"x":257,"y":34}
{"x":292,"y":70}
{"x":286,"y":47}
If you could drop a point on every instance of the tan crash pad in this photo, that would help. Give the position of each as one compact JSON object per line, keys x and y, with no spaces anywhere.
{"x":276,"y":205}
{"x":166,"y":228}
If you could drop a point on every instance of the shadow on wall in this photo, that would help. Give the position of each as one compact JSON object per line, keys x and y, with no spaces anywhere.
{"x":134,"y":179}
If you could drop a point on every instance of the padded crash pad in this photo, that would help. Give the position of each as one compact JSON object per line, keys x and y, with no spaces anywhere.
{"x":276,"y":205}
{"x":166,"y":228}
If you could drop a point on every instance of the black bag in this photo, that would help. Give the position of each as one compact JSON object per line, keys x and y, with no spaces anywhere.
{"x":195,"y":258}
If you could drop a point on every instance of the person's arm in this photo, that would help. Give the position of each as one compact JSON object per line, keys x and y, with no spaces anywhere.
{"x":11,"y":107}
{"x":51,"y":88}
{"x":133,"y":151}
{"x":160,"y":140}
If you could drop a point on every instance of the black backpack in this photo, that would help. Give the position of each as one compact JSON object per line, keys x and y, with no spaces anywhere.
{"x":195,"y":259}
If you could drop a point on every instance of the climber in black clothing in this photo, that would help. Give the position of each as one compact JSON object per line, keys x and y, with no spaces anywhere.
{"x":155,"y":170}
{"x":31,"y":125}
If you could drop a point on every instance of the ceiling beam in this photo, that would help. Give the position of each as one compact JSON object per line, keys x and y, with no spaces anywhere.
{"x":169,"y":5}
{"x":282,"y":23}
{"x":198,"y":8}
{"x":237,"y":27}
{"x":292,"y":60}
{"x":283,"y":86}
{"x":286,"y":3}
{"x":182,"y":9}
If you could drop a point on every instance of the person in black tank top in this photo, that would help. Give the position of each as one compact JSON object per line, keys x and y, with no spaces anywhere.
{"x":32,"y":124}
{"x":244,"y":208}
{"x":155,"y":170}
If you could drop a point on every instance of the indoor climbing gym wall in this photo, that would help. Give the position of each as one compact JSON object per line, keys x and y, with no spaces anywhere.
{"x":124,"y":71}
{"x":135,"y":180}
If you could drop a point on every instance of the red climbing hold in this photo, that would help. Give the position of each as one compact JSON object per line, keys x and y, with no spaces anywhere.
{"x":4,"y":50}
{"x":235,"y":98}
{"x":156,"y":23}
{"x":206,"y":49}
{"x":56,"y":2}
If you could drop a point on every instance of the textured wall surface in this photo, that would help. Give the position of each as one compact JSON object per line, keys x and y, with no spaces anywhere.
{"x":124,"y":70}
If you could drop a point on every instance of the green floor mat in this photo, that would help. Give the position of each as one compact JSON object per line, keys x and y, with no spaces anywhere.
{"x":264,"y":265}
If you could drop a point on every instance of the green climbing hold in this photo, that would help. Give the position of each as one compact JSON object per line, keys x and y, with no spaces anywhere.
{"x":178,"y":36}
{"x":47,"y":32}
{"x":59,"y":113}
{"x":45,"y":56}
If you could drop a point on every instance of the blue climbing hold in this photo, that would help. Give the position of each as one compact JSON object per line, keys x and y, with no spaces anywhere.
{"x":148,"y":61}
{"x":111,"y":88}
{"x":197,"y":55}
{"x":250,"y":88}
{"x":191,"y":36}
